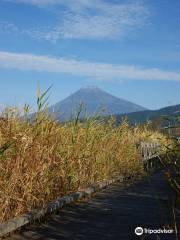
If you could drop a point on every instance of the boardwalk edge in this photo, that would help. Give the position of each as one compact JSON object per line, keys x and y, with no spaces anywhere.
{"x":35,"y":215}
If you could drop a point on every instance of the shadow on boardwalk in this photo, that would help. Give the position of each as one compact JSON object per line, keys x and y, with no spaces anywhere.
{"x":111,"y":214}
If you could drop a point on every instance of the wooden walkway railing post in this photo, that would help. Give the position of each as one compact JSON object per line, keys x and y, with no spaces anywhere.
{"x":148,"y":152}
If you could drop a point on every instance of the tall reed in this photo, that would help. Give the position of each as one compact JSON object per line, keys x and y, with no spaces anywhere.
{"x":43,"y":159}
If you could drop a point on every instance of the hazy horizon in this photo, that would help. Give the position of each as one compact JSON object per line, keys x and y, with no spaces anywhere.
{"x":33,"y":104}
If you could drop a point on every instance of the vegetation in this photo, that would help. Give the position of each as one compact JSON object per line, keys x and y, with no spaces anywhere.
{"x":171,"y":160}
{"x":43,"y":159}
{"x":171,"y":165}
{"x":163,"y":116}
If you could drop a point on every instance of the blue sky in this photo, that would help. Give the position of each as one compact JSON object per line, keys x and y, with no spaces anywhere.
{"x":128,"y":48}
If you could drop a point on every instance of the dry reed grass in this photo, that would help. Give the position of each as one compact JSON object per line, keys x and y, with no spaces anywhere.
{"x":44,"y":159}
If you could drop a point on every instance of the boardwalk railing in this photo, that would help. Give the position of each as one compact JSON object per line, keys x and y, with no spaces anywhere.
{"x":149,"y":153}
{"x":172,"y":131}
{"x":149,"y":150}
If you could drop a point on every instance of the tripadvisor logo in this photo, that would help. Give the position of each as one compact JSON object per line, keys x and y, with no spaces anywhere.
{"x":139,"y":231}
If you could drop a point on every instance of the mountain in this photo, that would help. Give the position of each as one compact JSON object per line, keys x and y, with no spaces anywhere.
{"x":144,"y":116}
{"x":94,"y":100}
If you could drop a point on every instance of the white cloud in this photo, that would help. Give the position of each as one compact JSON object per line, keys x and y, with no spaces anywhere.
{"x":34,"y":2}
{"x":90,"y":19}
{"x":99,"y":71}
{"x":6,"y":27}
{"x":98,"y":21}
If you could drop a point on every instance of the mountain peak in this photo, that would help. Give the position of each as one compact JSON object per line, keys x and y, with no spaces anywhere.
{"x":91,"y":87}
{"x":94,"y":99}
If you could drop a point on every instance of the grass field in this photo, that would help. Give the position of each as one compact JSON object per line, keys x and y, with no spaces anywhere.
{"x":43,"y":159}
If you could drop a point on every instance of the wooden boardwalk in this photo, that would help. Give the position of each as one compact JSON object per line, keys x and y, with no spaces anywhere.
{"x":111,"y":214}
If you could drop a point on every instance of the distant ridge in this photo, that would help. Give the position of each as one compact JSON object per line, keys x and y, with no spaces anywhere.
{"x":149,"y":115}
{"x":94,"y":99}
